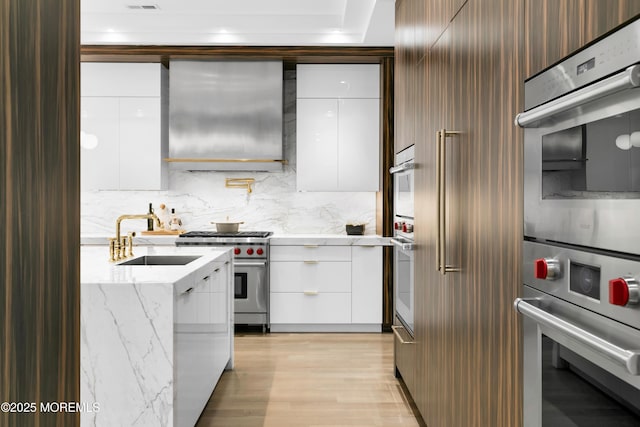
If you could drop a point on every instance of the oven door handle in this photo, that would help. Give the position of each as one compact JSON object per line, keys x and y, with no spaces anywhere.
{"x":250,"y":264}
{"x":627,"y":79}
{"x":628,"y":359}
{"x":402,"y":168}
{"x":402,"y":245}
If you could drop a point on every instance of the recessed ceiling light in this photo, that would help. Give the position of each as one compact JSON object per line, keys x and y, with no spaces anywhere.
{"x":110,"y":30}
{"x":336,"y":30}
{"x":223,"y":31}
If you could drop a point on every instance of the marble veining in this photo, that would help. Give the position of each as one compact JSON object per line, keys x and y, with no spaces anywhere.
{"x":200,"y":197}
{"x":127,"y":335}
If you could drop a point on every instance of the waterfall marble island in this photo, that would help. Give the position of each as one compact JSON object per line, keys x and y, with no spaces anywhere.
{"x":156,"y":334}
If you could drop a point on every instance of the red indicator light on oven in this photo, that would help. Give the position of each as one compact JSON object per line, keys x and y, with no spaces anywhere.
{"x":259,"y":251}
{"x":404,"y":227}
{"x":396,"y":225}
{"x":618,"y":291}
{"x":236,"y":251}
{"x":250,"y":251}
{"x":540,"y":269}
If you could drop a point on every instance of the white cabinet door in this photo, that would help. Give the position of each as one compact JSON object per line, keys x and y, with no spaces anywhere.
{"x":120,"y":79}
{"x":99,"y":146}
{"x":359,"y":144}
{"x":317,"y":144}
{"x":140,"y":147}
{"x":366,"y":284}
{"x":338,"y":81}
{"x":121,"y":110}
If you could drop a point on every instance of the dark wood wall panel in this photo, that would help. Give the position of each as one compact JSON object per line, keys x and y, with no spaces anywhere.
{"x":307,"y":54}
{"x":40,"y":210}
{"x":554,"y":29}
{"x":384,"y":200}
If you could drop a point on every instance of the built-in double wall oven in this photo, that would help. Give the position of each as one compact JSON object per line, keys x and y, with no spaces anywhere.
{"x":581,"y":251}
{"x":402,"y":240}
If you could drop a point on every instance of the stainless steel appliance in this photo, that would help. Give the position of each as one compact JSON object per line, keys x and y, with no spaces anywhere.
{"x":251,"y":267}
{"x":403,"y":266}
{"x":226,"y":115}
{"x":581,"y":257}
{"x":403,"y":282}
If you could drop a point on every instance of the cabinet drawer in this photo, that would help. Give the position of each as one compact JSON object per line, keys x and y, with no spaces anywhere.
{"x":298,"y":308}
{"x":310,"y":253}
{"x":300,"y":276}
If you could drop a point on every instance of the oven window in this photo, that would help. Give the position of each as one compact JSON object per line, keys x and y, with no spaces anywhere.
{"x":241,"y":280}
{"x":577,"y":393}
{"x":597,"y":160}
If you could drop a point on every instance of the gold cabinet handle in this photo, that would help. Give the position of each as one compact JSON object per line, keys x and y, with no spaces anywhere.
{"x":310,"y":262}
{"x":311,"y":293}
{"x":310,"y":246}
{"x":441,"y":176}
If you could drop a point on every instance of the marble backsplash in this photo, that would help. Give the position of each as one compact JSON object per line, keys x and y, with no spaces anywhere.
{"x":201,"y":197}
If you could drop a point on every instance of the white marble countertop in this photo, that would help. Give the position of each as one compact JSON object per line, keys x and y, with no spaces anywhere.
{"x":329,"y":240}
{"x":96,"y":268}
{"x":276,"y":239}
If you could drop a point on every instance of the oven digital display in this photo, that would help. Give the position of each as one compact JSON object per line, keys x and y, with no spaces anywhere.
{"x":586,"y":66}
{"x":585,"y":280}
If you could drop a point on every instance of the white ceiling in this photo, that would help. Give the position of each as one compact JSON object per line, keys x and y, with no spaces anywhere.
{"x":239,"y":22}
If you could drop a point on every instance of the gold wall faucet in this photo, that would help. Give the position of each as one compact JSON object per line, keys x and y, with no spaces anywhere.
{"x":118,"y":246}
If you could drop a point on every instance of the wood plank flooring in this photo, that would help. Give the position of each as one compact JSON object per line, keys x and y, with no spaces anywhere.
{"x":309,"y":380}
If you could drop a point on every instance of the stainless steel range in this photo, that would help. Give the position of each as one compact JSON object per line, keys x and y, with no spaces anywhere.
{"x":251,"y":266}
{"x":581,"y":256}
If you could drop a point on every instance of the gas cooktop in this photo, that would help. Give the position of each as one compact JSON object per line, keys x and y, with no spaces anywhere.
{"x":238,"y":234}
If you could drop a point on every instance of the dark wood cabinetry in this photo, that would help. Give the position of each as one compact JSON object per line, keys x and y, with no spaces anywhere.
{"x":467,"y":336}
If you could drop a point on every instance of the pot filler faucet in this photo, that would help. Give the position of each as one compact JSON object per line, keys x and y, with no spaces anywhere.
{"x":118,"y":245}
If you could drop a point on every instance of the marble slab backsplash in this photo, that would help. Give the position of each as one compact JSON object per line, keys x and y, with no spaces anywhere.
{"x":201,"y":197}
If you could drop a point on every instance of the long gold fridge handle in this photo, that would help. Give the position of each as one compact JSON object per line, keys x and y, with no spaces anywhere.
{"x":441,"y":184}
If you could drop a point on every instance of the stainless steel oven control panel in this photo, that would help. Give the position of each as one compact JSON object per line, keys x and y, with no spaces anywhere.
{"x":600,"y":283}
{"x":616,"y":52}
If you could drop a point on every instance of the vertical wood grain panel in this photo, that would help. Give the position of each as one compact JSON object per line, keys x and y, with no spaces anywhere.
{"x":40,"y":212}
{"x":554,"y":29}
{"x":468,"y":337}
{"x":386,"y":193}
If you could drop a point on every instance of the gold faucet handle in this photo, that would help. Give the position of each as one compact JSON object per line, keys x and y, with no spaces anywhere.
{"x":130,"y":239}
{"x":112,"y":249}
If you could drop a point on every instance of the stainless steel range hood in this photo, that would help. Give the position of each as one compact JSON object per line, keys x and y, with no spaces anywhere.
{"x":225,"y":115}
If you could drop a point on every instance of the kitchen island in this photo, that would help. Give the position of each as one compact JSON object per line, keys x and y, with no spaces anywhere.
{"x":154,"y":338}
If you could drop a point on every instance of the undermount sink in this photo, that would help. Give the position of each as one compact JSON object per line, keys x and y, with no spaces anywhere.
{"x":161,"y":260}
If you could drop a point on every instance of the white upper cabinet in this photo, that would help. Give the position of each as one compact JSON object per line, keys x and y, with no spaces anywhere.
{"x":123,"y":142}
{"x":120,"y":79}
{"x":317,"y":150}
{"x":338,"y":81}
{"x":338,"y":127}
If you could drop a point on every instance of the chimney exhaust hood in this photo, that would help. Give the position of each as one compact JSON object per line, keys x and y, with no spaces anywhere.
{"x":225,"y":115}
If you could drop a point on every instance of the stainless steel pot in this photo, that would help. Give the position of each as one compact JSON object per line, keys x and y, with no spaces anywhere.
{"x":227,"y":227}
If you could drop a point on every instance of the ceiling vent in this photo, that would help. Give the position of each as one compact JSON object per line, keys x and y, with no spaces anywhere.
{"x":143,"y":6}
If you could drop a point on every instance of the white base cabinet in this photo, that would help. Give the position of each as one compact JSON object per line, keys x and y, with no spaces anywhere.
{"x":317,"y":288}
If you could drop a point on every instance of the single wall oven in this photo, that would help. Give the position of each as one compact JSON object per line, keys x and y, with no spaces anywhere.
{"x":251,"y":270}
{"x":581,"y":252}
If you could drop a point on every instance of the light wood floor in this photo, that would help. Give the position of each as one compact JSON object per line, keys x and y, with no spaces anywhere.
{"x":308,"y":380}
